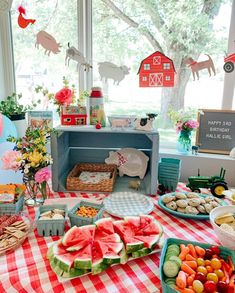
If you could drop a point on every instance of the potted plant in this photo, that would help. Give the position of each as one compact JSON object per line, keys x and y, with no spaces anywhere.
{"x":15,"y":111}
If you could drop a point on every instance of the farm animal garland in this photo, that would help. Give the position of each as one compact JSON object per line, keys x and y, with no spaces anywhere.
{"x":48,"y":42}
{"x":108,"y":70}
{"x":23,"y":22}
{"x":197,"y":66}
{"x":77,"y":56}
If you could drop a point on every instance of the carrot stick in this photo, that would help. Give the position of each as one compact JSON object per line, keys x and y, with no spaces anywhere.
{"x":187,"y":290}
{"x":181,"y":280}
{"x":191,"y":263}
{"x":190,"y":280}
{"x":189,"y":257}
{"x":200,"y":251}
{"x":187,"y":269}
{"x":184,"y":251}
{"x":192,"y":250}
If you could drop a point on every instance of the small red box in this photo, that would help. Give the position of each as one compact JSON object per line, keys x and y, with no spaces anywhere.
{"x":73,"y":115}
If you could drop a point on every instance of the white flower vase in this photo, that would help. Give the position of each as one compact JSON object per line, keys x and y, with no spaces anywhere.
{"x":20,"y":124}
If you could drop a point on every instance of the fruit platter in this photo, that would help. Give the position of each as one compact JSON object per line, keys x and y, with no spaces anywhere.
{"x":94,"y":248}
{"x":14,"y":229}
{"x":193,"y":267}
{"x":189,"y":205}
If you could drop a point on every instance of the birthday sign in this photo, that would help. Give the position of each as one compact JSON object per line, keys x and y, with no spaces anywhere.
{"x":216,"y":132}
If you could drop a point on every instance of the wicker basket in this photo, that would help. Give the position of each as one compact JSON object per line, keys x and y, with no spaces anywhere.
{"x":105,"y":185}
{"x":81,"y":221}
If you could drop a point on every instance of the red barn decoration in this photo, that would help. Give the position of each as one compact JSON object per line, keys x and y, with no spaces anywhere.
{"x":157,"y":70}
{"x":73,"y":115}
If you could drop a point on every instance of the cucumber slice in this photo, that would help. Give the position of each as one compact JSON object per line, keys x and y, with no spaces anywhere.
{"x":169,"y":281}
{"x":170,"y":254}
{"x":176,"y":259}
{"x":174,"y":247}
{"x":170,"y":268}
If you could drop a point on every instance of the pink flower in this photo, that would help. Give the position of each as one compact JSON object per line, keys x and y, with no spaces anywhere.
{"x":64,"y":96}
{"x":42,"y":175}
{"x":179,"y":126}
{"x":191,"y":124}
{"x":12,"y":160}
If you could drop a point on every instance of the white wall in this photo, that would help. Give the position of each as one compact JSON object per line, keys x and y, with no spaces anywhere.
{"x":208,"y":164}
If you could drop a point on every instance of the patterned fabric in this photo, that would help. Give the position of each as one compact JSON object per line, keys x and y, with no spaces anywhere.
{"x":27,"y":270}
{"x":94,"y":177}
{"x":121,"y":159}
{"x":121,"y":204}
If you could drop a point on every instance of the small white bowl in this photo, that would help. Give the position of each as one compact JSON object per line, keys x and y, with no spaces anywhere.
{"x":226,"y":239}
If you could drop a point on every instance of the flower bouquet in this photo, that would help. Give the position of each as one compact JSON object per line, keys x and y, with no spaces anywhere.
{"x":184,"y":127}
{"x":31,"y":157}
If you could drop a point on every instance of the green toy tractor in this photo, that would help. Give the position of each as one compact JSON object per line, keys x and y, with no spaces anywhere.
{"x":216,"y":183}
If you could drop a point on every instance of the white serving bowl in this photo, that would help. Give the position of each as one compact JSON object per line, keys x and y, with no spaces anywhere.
{"x":227,"y":239}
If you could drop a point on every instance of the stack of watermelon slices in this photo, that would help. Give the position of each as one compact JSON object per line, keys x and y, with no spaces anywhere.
{"x":93,"y":248}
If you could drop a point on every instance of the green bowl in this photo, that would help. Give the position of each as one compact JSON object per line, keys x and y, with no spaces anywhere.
{"x":225,"y":252}
{"x":182,"y":215}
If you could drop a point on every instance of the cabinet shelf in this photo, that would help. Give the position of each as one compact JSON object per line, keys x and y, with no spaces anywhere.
{"x":84,"y":145}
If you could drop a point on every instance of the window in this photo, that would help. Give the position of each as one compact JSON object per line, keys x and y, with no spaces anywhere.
{"x":33,"y":65}
{"x":146,"y":66}
{"x":144,"y":78}
{"x":156,"y":60}
{"x":167,"y":78}
{"x":197,"y":37}
{"x":125,"y":39}
{"x":166,"y":66}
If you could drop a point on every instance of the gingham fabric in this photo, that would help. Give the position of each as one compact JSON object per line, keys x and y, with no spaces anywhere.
{"x":27,"y":270}
{"x":121,"y":204}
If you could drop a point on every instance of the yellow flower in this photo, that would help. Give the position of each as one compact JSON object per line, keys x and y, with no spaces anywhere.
{"x":35,"y":157}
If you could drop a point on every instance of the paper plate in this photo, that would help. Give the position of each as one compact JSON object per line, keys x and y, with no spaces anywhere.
{"x":122,"y":204}
{"x":182,"y":215}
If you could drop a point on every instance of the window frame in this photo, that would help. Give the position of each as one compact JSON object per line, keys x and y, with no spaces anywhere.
{"x":7,"y":71}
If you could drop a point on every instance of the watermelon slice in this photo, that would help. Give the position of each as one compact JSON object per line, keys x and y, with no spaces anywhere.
{"x":65,"y":261}
{"x":132,"y":244}
{"x":149,"y":241}
{"x":134,"y":222}
{"x":75,"y":235}
{"x":83,"y":259}
{"x":123,"y":228}
{"x":110,"y":251}
{"x":105,"y":225}
{"x":145,"y":220}
{"x":153,"y":229}
{"x":141,"y":252}
{"x":58,"y":249}
{"x":56,"y":269}
{"x":107,"y":238}
{"x":74,"y":273}
{"x":98,"y":264}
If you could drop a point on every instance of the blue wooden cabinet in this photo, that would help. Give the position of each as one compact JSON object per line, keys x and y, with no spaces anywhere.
{"x":85,"y":144}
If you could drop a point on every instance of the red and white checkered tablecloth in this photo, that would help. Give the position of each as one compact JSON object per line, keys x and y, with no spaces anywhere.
{"x":27,"y":270}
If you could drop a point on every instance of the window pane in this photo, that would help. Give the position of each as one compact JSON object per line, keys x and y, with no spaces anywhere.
{"x":32,"y":66}
{"x":126,"y":32}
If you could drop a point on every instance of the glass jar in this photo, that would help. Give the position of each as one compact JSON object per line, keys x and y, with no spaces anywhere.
{"x":184,"y":141}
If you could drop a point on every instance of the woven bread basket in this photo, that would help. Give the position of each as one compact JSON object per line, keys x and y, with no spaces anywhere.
{"x":105,"y":185}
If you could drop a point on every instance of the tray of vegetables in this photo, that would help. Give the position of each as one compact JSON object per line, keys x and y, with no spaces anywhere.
{"x":193,"y":267}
